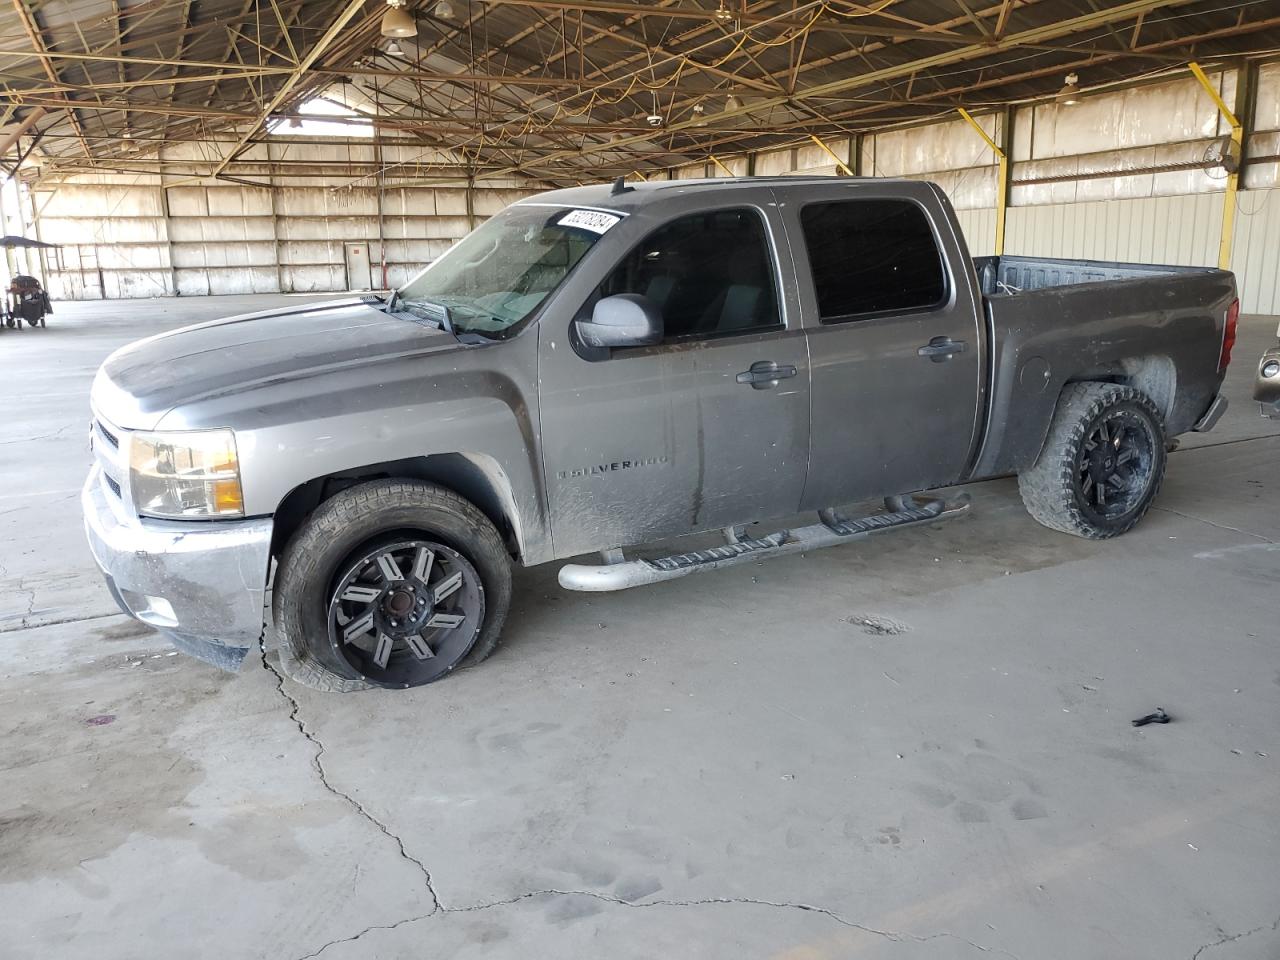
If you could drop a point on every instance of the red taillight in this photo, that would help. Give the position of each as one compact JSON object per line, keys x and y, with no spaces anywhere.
{"x":1229,"y":335}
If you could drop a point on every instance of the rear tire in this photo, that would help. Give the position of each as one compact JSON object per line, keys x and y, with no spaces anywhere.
{"x":391,"y":583}
{"x":1102,"y":464}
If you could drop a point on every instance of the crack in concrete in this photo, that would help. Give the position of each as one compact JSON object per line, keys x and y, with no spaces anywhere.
{"x":318,"y":765}
{"x":438,"y":907}
{"x":1213,"y":523}
{"x":44,"y":436}
{"x":31,"y":605}
{"x":891,"y":936}
{"x":53,"y":623}
{"x":1273,"y":927}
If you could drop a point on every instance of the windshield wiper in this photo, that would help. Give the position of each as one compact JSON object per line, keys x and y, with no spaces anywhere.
{"x":436,"y":314}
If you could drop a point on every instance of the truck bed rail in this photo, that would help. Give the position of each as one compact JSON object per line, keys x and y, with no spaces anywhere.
{"x":1005,"y":276}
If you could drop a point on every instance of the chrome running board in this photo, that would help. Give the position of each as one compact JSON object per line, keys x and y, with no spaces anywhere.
{"x":833,"y":530}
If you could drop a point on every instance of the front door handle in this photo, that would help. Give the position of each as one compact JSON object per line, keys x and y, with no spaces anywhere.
{"x":765,"y":374}
{"x":942,"y":348}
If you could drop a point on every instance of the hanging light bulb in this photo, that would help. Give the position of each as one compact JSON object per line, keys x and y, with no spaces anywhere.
{"x":444,"y":10}
{"x":723,"y":13}
{"x":397,"y":22}
{"x":732,"y":102}
{"x":699,"y":118}
{"x":1070,"y":94}
{"x":393,"y":49}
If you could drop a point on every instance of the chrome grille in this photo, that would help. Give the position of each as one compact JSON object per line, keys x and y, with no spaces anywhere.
{"x":109,"y":455}
{"x":107,"y":435}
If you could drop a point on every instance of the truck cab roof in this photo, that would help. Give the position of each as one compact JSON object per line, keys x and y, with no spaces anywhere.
{"x":638,"y":192}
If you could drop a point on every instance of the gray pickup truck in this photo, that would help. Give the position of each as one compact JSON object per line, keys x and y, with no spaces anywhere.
{"x":604,"y":368}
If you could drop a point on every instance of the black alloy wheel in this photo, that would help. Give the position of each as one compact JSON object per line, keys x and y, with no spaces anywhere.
{"x":404,"y":612}
{"x":1114,"y":470}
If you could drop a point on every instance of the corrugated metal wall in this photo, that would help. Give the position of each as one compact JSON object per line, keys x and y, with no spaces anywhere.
{"x":1090,"y":208}
{"x":134,"y":237}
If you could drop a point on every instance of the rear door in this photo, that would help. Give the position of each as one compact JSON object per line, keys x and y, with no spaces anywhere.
{"x":709,"y":427}
{"x":895,"y":339}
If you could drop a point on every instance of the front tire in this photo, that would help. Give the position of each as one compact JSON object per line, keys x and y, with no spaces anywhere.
{"x":1102,"y":464}
{"x":392,"y":583}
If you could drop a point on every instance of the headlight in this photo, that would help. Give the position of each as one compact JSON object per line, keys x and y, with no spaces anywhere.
{"x":180,"y":475}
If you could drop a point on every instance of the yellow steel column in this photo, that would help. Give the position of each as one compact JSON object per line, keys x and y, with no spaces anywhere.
{"x":1233,"y":176}
{"x":1002,"y":179}
{"x":832,"y":154}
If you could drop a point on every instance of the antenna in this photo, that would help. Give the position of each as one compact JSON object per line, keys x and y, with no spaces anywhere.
{"x":620,"y":186}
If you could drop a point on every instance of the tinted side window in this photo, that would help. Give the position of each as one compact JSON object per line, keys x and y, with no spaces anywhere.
{"x":872,"y":257}
{"x":709,"y":273}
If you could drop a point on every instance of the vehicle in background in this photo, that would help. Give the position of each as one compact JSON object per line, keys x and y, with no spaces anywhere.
{"x":597,"y":369}
{"x":1266,"y":388}
{"x":26,"y":301}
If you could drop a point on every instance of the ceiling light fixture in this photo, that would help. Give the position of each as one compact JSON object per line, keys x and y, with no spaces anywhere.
{"x":397,"y":22}
{"x":444,"y":10}
{"x":393,"y":49}
{"x":1069,"y":95}
{"x":723,"y":13}
{"x":732,"y":103}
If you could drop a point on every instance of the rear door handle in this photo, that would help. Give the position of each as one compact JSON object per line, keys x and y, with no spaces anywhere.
{"x":942,"y":348}
{"x":765,"y":374}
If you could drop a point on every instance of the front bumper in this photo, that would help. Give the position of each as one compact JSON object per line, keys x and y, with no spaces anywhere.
{"x":203,"y":584}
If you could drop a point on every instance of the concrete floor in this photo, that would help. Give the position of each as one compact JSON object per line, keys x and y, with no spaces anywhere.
{"x":917,"y":746}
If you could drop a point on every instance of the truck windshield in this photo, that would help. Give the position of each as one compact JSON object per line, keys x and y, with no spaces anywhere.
{"x":499,"y":274}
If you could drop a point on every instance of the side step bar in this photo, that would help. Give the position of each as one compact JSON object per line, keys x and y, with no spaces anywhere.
{"x":831,"y":531}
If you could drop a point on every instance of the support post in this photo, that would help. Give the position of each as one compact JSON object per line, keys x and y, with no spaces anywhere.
{"x":844,"y":167}
{"x":1233,"y":175}
{"x":1002,"y":179}
{"x":716,"y":161}
{"x":168,"y":233}
{"x":471,"y":200}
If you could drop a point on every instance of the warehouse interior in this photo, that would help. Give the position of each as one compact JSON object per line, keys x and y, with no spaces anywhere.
{"x":916,"y":746}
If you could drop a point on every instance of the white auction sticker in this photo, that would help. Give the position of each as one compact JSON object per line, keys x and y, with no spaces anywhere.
{"x":592,"y":220}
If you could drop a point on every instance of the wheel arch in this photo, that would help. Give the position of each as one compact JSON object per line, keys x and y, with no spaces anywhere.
{"x":1013,"y":450}
{"x":478,"y":478}
{"x":1154,"y":375}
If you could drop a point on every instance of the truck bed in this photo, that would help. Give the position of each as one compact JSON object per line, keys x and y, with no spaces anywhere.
{"x":1157,"y":327}
{"x":1009,"y":276}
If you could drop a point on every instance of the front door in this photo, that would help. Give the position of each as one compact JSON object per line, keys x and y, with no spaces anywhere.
{"x":706,"y":429}
{"x":895,"y":339}
{"x":359,"y":266}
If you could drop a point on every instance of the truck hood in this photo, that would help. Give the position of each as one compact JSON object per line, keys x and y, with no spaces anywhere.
{"x":141,"y":382}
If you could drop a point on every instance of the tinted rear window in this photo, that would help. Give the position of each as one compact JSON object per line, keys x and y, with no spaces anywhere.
{"x":872,"y":257}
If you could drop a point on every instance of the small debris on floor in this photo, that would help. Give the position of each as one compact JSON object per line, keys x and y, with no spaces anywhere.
{"x":877,"y":626}
{"x":1158,"y":717}
{"x":101,"y":720}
